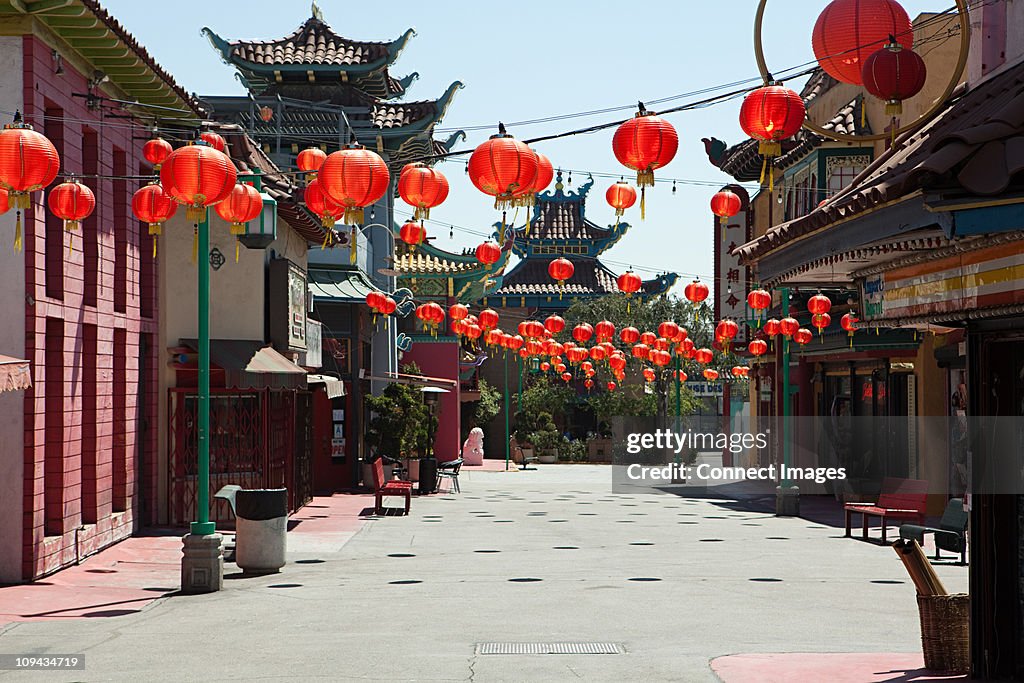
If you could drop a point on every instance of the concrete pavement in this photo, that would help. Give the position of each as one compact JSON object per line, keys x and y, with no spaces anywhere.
{"x":543,"y":556}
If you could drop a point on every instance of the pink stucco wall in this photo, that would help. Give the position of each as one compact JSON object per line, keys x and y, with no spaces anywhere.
{"x":441,"y":359}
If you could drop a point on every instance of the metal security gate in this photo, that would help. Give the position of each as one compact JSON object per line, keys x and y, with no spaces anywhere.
{"x":259,"y":438}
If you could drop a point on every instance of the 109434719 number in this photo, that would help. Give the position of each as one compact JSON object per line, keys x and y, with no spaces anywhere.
{"x":14,"y":662}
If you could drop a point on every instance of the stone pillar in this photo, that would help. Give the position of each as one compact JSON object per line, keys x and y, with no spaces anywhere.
{"x":202,"y":568}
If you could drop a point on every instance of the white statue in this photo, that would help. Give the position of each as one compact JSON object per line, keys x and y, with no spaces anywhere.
{"x":473,"y":448}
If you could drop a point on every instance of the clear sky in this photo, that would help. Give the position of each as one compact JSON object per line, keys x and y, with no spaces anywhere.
{"x":529,"y":60}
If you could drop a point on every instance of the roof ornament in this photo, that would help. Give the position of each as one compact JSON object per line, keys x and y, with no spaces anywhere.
{"x":318,"y":13}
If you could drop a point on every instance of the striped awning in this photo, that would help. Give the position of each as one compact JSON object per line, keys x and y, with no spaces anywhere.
{"x":15,"y":374}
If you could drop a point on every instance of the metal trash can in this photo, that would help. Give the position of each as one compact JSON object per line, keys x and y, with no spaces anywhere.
{"x":261,"y":528}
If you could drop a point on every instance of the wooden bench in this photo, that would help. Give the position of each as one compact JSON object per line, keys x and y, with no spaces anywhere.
{"x":900,"y":499}
{"x":389,"y":488}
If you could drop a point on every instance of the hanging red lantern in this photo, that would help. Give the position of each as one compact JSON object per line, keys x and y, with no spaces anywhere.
{"x":458,"y":327}
{"x":661,"y":344}
{"x":545,"y":174}
{"x":704,"y":356}
{"x":586,"y":366}
{"x":725,"y":204}
{"x":213,"y":140}
{"x":661,"y":358}
{"x":589,"y":384}
{"x":28,"y":162}
{"x":545,"y":366}
{"x":523,"y":328}
{"x":198,"y":176}
{"x":150,"y":204}
{"x":849,"y":323}
{"x":696,"y":292}
{"x":682,"y":376}
{"x":611,"y":386}
{"x":641,"y":351}
{"x":515,"y":342}
{"x":534,"y":329}
{"x":686,"y":348}
{"x":848,"y":31}
{"x":669,"y":330}
{"x":354,"y":177}
{"x":560,"y":270}
{"x":502,"y":167}
{"x":554,"y":324}
{"x":819,"y":303}
{"x":737,"y":371}
{"x":629,"y":335}
{"x":458,"y":312}
{"x":649,"y":374}
{"x":583,"y":332}
{"x":645,"y":143}
{"x":488,"y":319}
{"x":629,"y":283}
{"x":567,"y":377}
{"x":488,"y":253}
{"x":310,"y":160}
{"x":802,"y":336}
{"x":413,"y":234}
{"x":894,"y":74}
{"x":710,"y":374}
{"x":156,"y":151}
{"x":534,"y":347}
{"x":560,"y":367}
{"x":73,"y":202}
{"x":726,"y":331}
{"x":758,"y":347}
{"x":759,"y":300}
{"x":820,"y":321}
{"x":648,"y":338}
{"x":769,"y":115}
{"x":422,"y":187}
{"x":620,"y":196}
{"x":598,"y":353}
{"x":388,"y":306}
{"x":321,"y":205}
{"x":788,"y":326}
{"x":493,"y":337}
{"x":242,"y":205}
{"x":472,"y":331}
{"x":772,"y":327}
{"x":375,"y":300}
{"x":617,"y":362}
{"x":605,"y":330}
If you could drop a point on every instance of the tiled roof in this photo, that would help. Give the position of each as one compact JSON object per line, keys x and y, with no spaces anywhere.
{"x":564,"y":221}
{"x":590,"y":277}
{"x":431,"y":262}
{"x":975,"y":145}
{"x":312,"y":43}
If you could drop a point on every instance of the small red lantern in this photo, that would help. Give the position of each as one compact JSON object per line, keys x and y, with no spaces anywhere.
{"x":422,"y":187}
{"x":802,"y":336}
{"x":710,"y":375}
{"x":589,"y":384}
{"x":515,"y":342}
{"x":641,"y":351}
{"x":321,"y":205}
{"x":156,"y":151}
{"x":413,"y":234}
{"x":629,"y":283}
{"x":738,"y":371}
{"x":725,"y":204}
{"x":644,"y":143}
{"x":758,"y":347}
{"x":198,"y":176}
{"x":545,"y":366}
{"x":649,"y":374}
{"x":848,"y":31}
{"x":375,"y":300}
{"x":554,"y":324}
{"x":489,"y":319}
{"x":611,"y":386}
{"x":598,"y":353}
{"x":669,"y":330}
{"x":388,"y":306}
{"x":488,"y":253}
{"x":73,"y":202}
{"x":661,"y":358}
{"x":354,"y":177}
{"x":894,"y":74}
{"x":820,"y":321}
{"x":561,"y":269}
{"x":819,"y":303}
{"x":150,"y":204}
{"x":617,"y":362}
{"x":310,"y":160}
{"x":620,"y":197}
{"x":458,"y":312}
{"x":560,"y":367}
{"x":726,"y":331}
{"x":662,"y":344}
{"x":704,"y":356}
{"x":788,"y":326}
{"x":213,"y":140}
{"x":583,"y":332}
{"x":567,"y":377}
{"x":682,"y":376}
{"x":629,"y":335}
{"x":493,"y":337}
{"x":759,"y":300}
{"x":769,"y":115}
{"x":772,"y":327}
{"x":696,"y":292}
{"x":242,"y":205}
{"x":503,"y":167}
{"x":472,"y":330}
{"x":648,"y":338}
{"x":605,"y":330}
{"x":849,"y":323}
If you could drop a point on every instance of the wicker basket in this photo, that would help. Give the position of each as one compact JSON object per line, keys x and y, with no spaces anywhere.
{"x":945,"y":632}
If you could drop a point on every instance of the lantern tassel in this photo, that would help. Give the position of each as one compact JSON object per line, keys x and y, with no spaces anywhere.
{"x":643,"y":202}
{"x":353,"y":248}
{"x":237,"y":245}
{"x":154,"y":246}
{"x":864,"y":115}
{"x":17,"y":232}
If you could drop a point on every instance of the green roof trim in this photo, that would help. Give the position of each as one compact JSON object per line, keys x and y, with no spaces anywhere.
{"x":340,"y":284}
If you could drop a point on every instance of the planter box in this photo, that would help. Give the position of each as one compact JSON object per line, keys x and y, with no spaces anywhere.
{"x":547,"y":458}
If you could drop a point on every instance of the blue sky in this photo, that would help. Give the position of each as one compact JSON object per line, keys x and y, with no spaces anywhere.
{"x":529,"y":60}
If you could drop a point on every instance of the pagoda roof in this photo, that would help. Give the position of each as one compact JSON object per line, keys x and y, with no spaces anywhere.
{"x":470,"y":278}
{"x":590,"y":278}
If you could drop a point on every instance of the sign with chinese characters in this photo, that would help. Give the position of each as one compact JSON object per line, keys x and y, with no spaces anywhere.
{"x":297,"y":290}
{"x":314,"y":353}
{"x":731,"y":282}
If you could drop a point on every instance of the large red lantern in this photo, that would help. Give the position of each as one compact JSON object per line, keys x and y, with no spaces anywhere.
{"x":598,"y":353}
{"x":620,"y":197}
{"x":375,"y":300}
{"x":894,"y":74}
{"x":503,"y":167}
{"x":388,"y":306}
{"x":515,"y":342}
{"x":759,"y":300}
{"x":772,"y":327}
{"x":198,"y":176}
{"x":488,"y":253}
{"x":73,"y":202}
{"x":605,"y":330}
{"x":819,"y":303}
{"x":629,"y":335}
{"x":354,"y":177}
{"x":758,"y":347}
{"x":156,"y":151}
{"x":617,"y":361}
{"x":213,"y":140}
{"x":310,"y":160}
{"x":848,"y":31}
{"x":534,"y":329}
{"x":645,"y":143}
{"x":422,"y":187}
{"x":321,"y":205}
{"x":458,"y":312}
{"x":150,"y":204}
{"x":726,"y":331}
{"x":696,"y":292}
{"x":725,"y":204}
{"x":583,"y":332}
{"x":413,"y":234}
{"x":28,"y":162}
{"x":641,"y":351}
{"x":489,"y":319}
{"x":769,"y":115}
{"x":629,"y":283}
{"x":661,"y":358}
{"x":560,"y":270}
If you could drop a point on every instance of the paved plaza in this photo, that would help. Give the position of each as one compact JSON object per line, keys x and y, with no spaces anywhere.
{"x":545,"y":556}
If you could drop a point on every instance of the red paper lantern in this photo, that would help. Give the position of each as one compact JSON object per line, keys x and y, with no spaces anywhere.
{"x":213,"y":140}
{"x":554,"y":324}
{"x":644,"y":143}
{"x":629,"y":283}
{"x":704,"y":356}
{"x":242,"y":205}
{"x":820,"y":321}
{"x":458,"y":312}
{"x":772,"y":327}
{"x":802,"y":336}
{"x":534,"y":347}
{"x":769,"y":115}
{"x":649,"y":374}
{"x":488,"y":319}
{"x":156,"y":151}
{"x":545,"y":366}
{"x":611,"y":386}
{"x":725,"y":204}
{"x":669,"y":330}
{"x":620,"y":197}
{"x":375,"y":300}
{"x":28,"y":162}
{"x":545,"y":174}
{"x":641,"y":351}
{"x":710,"y":375}
{"x":661,"y":358}
{"x":422,"y":187}
{"x":534,"y":329}
{"x":848,"y":31}
{"x":759,"y":299}
{"x":488,"y":253}
{"x":648,"y":338}
{"x":560,"y":270}
{"x":73,"y":202}
{"x":629,"y":335}
{"x":617,"y":362}
{"x":819,"y":303}
{"x":310,"y":160}
{"x":598,"y":353}
{"x":354,"y":177}
{"x":605,"y":330}
{"x":198,"y":176}
{"x":321,"y":205}
{"x":758,"y":347}
{"x":515,"y":342}
{"x":696,"y":292}
{"x":567,"y":377}
{"x":388,"y":306}
{"x":726,"y":330}
{"x":150,"y":204}
{"x":894,"y":74}
{"x":413,"y":234}
{"x":583,"y":332}
{"x":849,"y":322}
{"x":788,"y":326}
{"x":493,"y":337}
{"x":473,"y":331}
{"x":683,"y":376}
{"x":504,"y":168}
{"x":560,"y":367}
{"x":737,"y":371}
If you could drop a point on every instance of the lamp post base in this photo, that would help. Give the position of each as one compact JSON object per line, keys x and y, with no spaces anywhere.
{"x":787,"y":501}
{"x":202,"y":564}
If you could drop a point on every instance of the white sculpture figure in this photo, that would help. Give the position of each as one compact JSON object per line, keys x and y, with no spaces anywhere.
{"x":473,"y":448}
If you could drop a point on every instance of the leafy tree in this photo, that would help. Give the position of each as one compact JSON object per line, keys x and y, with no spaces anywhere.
{"x":489,"y":405}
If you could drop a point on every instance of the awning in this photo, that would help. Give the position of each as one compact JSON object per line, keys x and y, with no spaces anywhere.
{"x":251,"y":364}
{"x":15,"y":374}
{"x":340,"y":284}
{"x":334,"y":386}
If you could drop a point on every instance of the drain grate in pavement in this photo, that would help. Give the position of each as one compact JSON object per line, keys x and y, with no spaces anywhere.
{"x":549,"y":649}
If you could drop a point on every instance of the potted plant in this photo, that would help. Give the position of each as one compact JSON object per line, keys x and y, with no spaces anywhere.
{"x":397,"y":427}
{"x":544,"y":437}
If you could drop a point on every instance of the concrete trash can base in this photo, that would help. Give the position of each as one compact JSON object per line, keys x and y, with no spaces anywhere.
{"x":261,"y":530}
